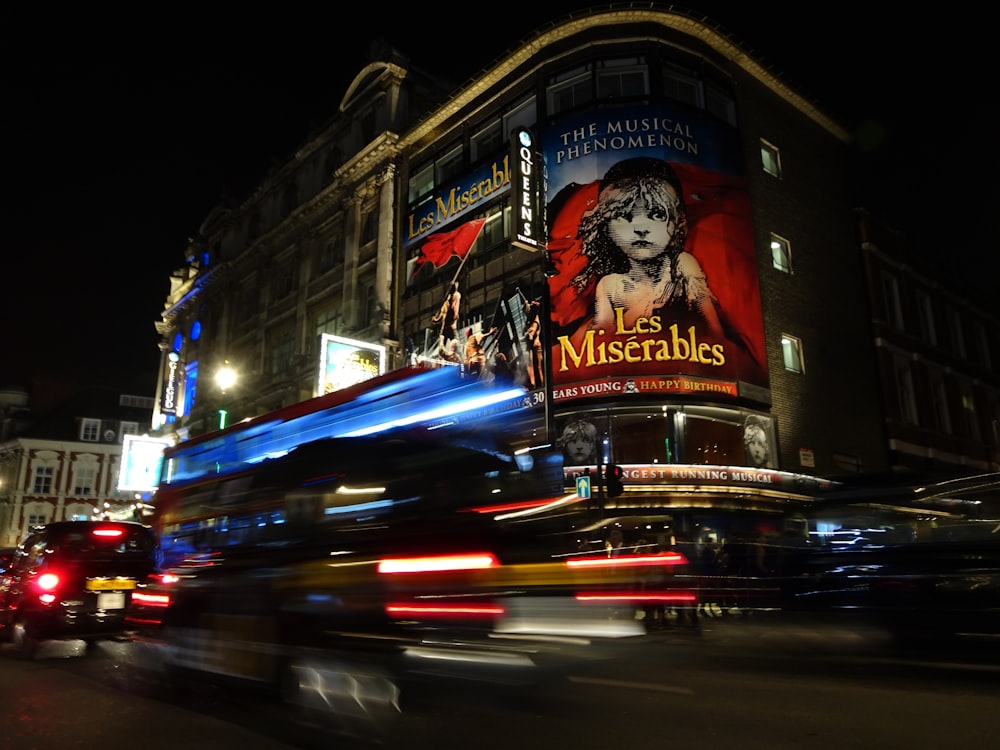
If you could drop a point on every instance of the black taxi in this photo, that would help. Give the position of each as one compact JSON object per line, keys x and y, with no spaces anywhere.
{"x":74,"y":579}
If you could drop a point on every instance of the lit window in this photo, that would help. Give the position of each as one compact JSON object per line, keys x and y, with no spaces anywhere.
{"x":781,"y":253}
{"x":770,"y":158}
{"x":421,"y":183}
{"x":42,"y":484}
{"x":791,"y":350}
{"x":89,"y":430}
{"x":83,"y":480}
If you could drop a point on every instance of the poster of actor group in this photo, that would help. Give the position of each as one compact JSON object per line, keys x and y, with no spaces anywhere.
{"x":650,"y":237}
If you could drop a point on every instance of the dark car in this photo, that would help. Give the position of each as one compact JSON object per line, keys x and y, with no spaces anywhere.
{"x":74,"y":579}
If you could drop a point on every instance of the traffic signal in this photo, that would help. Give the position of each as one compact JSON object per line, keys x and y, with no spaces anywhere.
{"x":615,"y":475}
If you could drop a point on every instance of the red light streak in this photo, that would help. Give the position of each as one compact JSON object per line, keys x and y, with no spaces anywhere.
{"x":679,"y":597}
{"x":437,"y":564}
{"x":443,"y":610}
{"x":665,"y":558}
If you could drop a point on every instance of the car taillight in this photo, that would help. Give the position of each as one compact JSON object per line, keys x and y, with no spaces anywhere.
{"x":107,"y":532}
{"x":438,"y":563}
{"x":48,"y":583}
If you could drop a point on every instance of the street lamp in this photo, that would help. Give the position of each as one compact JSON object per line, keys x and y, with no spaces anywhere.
{"x":225,"y":378}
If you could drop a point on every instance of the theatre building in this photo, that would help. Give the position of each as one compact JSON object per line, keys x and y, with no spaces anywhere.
{"x":628,"y":215}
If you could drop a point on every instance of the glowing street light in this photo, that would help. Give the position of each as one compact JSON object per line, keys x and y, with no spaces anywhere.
{"x":225,"y":378}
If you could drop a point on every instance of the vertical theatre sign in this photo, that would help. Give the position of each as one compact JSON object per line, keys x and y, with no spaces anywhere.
{"x":526,"y":160}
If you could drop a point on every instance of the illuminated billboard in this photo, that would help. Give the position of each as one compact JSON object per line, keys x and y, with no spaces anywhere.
{"x":141,"y":461}
{"x":651,"y":243}
{"x":345,"y":362}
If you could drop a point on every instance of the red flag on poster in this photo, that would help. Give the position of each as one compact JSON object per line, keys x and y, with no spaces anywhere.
{"x":440,"y":247}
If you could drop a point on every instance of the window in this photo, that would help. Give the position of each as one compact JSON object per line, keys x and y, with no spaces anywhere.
{"x":957,"y":335}
{"x":522,"y":114}
{"x":907,"y":396}
{"x":720,"y":104}
{"x":494,"y":231}
{"x":369,"y":225}
{"x":570,"y":90}
{"x":83,"y":480}
{"x":283,"y":283}
{"x":130,"y":428}
{"x":791,"y":351}
{"x":328,"y":321}
{"x":328,"y":255}
{"x":448,"y":166}
{"x":42,"y":484}
{"x":781,"y":253}
{"x":282,"y":353}
{"x":939,"y":401}
{"x":421,"y":183}
{"x":90,"y":429}
{"x":682,"y":84}
{"x":969,"y":411}
{"x":770,"y":158}
{"x":369,"y":306}
{"x":248,"y":302}
{"x":487,"y":140}
{"x":984,"y":346}
{"x":646,"y":438}
{"x":622,"y":79}
{"x":891,"y":302}
{"x":925,"y":308}
{"x":139,"y":402}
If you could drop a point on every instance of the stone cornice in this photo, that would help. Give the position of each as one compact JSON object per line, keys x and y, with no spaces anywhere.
{"x":677,"y":22}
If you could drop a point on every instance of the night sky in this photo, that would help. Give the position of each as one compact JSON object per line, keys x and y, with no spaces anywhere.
{"x":123,"y":133}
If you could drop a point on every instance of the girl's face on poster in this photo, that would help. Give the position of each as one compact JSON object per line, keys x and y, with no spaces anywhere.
{"x":758,"y":451}
{"x":579,"y":450}
{"x":645,"y":230}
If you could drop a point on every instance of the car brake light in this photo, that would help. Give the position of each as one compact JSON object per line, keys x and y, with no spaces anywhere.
{"x":48,"y":581}
{"x":108,"y":533}
{"x":438,"y":563}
